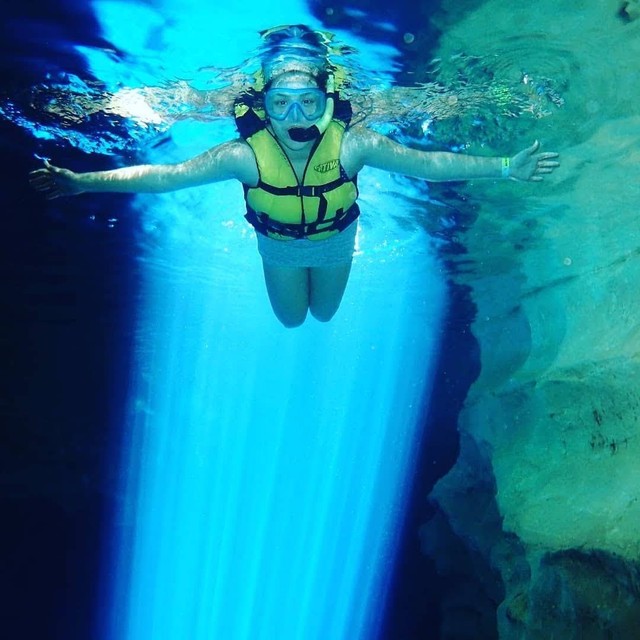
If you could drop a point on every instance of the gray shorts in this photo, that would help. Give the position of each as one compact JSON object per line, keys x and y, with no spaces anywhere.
{"x":336,"y":249}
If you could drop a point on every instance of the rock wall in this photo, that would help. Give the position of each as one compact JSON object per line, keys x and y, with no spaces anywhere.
{"x":544,"y":501}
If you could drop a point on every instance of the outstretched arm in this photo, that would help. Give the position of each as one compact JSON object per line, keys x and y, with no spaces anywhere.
{"x":363,"y":147}
{"x":226,"y":161}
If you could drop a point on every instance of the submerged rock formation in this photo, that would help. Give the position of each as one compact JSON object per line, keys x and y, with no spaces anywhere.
{"x":538,"y":521}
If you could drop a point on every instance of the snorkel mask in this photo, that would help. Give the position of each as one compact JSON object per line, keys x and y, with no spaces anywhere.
{"x":308,"y":104}
{"x":298,"y":48}
{"x":283,"y":103}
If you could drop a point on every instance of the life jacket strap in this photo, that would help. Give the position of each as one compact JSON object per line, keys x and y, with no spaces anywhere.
{"x":267,"y":226}
{"x":308,"y":191}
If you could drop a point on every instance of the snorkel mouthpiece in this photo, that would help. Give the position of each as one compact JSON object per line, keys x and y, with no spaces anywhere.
{"x":306,"y":134}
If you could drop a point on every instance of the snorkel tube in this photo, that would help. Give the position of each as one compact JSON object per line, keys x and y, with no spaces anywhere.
{"x":306,"y":134}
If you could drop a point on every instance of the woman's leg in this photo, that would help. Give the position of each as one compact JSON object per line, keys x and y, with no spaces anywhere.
{"x":327,"y":285}
{"x":288,"y":289}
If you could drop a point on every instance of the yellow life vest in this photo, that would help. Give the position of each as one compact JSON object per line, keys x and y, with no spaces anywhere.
{"x":282,"y":207}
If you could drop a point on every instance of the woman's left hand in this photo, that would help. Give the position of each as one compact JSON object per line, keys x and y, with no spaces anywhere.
{"x":531,"y":166}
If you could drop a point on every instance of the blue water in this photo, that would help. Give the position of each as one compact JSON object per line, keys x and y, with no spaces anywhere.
{"x":267,"y":467}
{"x":261,"y":475}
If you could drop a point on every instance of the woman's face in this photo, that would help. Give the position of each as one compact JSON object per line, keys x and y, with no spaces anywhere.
{"x":294,"y":116}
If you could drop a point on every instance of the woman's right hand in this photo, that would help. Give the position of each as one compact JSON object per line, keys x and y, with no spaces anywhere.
{"x":54,"y":182}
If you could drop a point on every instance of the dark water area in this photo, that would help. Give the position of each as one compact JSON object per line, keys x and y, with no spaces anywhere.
{"x":69,"y":295}
{"x":413,"y":610}
{"x":36,"y":37}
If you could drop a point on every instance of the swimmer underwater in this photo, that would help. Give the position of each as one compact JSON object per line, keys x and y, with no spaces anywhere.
{"x":298,"y":159}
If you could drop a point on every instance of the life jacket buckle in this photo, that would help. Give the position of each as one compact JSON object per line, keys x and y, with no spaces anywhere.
{"x":309,"y":191}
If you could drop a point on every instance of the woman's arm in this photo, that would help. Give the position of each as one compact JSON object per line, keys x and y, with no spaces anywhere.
{"x":363,"y":147}
{"x":227,"y":161}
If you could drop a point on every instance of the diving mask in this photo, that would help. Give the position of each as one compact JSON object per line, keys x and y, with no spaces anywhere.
{"x":280,"y":103}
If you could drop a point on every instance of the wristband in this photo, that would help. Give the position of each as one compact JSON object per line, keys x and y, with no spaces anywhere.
{"x":505,"y":167}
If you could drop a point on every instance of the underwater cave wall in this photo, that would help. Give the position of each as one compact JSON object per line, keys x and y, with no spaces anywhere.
{"x":544,"y":499}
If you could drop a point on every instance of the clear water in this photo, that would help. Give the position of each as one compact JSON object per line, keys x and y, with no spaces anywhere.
{"x":270,"y":465}
{"x":263,"y":473}
{"x":267,"y":468}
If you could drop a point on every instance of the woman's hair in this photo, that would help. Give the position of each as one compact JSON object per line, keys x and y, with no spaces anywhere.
{"x":294,"y":48}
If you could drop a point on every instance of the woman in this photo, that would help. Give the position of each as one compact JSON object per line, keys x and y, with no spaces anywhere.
{"x":298,"y":159}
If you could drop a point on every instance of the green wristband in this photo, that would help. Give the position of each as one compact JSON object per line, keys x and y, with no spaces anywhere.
{"x":505,"y":167}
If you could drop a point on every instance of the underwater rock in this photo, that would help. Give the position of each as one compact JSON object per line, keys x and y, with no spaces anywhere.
{"x":578,"y":595}
{"x":545,"y":495}
{"x":630,"y":10}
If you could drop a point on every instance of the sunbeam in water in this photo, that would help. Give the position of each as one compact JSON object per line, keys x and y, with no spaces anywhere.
{"x":265,"y":470}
